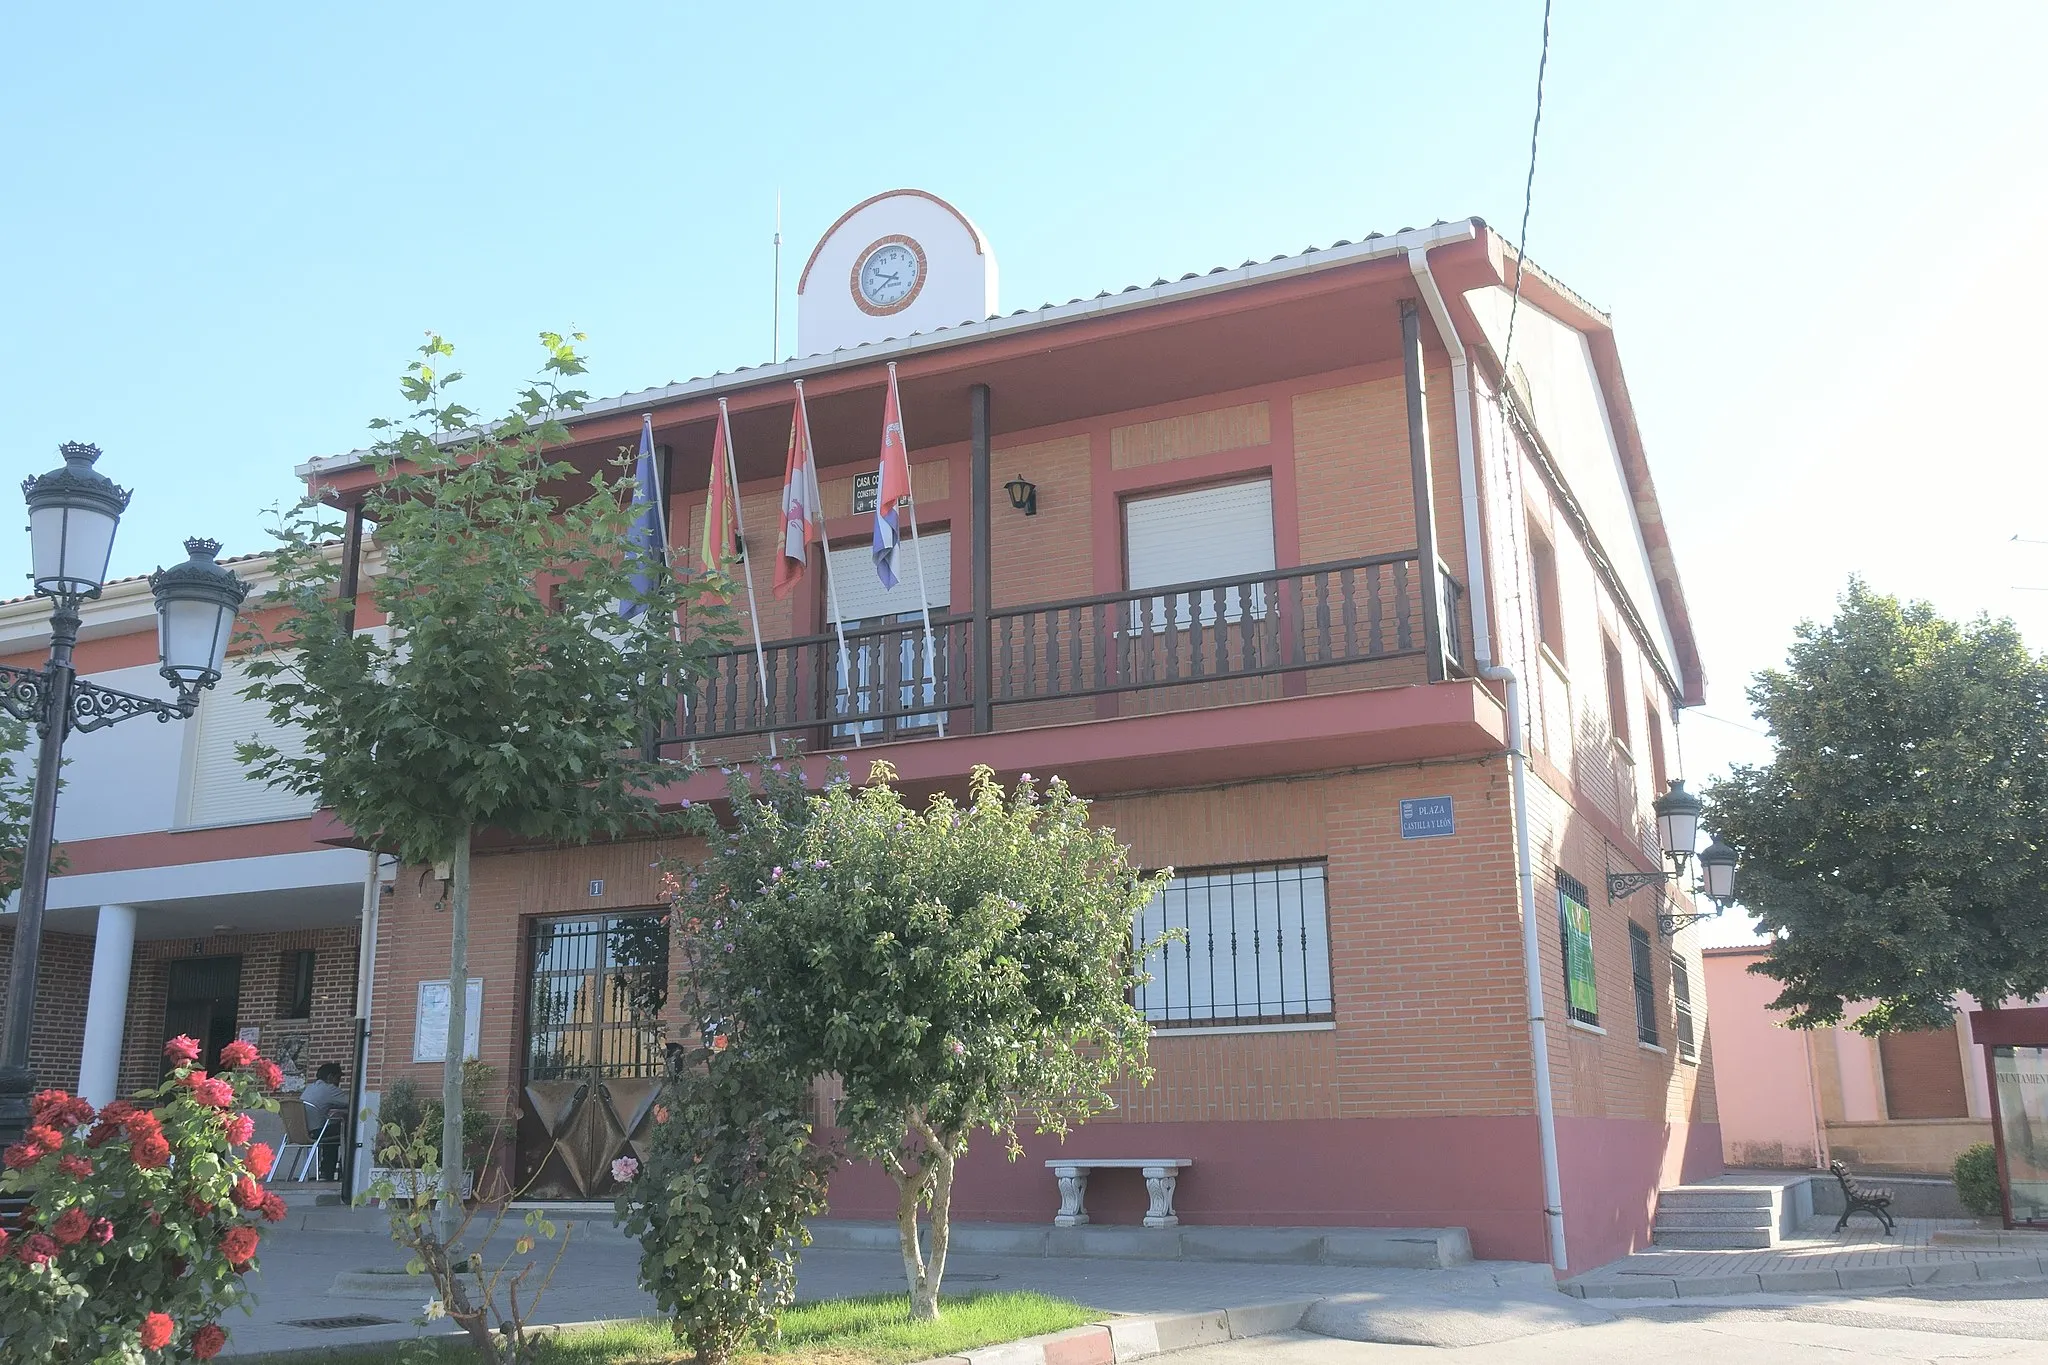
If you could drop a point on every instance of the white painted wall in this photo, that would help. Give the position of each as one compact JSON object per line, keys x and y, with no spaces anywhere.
{"x":1571,"y":413}
{"x":960,"y":276}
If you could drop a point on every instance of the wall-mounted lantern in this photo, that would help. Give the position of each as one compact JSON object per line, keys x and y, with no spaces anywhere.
{"x":1678,"y":814}
{"x":1023,"y":495}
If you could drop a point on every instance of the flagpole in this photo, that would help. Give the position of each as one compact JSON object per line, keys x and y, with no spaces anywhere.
{"x":739,"y":516}
{"x":931,"y":651}
{"x":817,"y":502}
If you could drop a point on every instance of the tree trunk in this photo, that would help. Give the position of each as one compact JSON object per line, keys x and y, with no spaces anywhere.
{"x":909,"y":1186}
{"x":451,"y":1066}
{"x":924,"y":1304}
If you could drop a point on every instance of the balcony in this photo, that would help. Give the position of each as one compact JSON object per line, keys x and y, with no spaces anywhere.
{"x":1344,"y":626}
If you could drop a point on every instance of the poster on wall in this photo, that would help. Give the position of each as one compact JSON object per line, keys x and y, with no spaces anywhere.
{"x":430,"y":1020}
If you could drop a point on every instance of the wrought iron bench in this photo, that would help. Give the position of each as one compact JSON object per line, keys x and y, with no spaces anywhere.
{"x":1162,"y":1175}
{"x":1862,"y":1199}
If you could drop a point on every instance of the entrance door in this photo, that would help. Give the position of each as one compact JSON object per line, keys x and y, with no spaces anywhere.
{"x":594,"y":1049}
{"x":201,"y":995}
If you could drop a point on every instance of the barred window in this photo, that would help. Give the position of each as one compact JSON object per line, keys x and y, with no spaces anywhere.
{"x":1255,"y":948}
{"x":1681,"y":1004}
{"x":1639,"y":960}
{"x":1575,"y":926}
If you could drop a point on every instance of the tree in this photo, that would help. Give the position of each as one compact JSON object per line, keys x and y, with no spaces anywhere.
{"x":510,"y":692}
{"x":1894,"y":844}
{"x":17,"y":778}
{"x":958,"y":968}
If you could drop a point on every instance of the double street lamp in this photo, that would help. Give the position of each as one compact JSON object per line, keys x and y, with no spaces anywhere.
{"x":72,"y":515}
{"x":1678,"y":814}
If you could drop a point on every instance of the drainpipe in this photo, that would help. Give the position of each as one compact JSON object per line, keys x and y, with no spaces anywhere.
{"x":1518,"y":763}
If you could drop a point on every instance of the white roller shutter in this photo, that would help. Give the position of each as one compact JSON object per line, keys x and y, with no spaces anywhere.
{"x":1205,"y":534}
{"x":860,"y":591}
{"x":220,"y":790}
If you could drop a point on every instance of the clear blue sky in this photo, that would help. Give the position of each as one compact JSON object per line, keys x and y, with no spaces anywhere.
{"x":1819,"y":228}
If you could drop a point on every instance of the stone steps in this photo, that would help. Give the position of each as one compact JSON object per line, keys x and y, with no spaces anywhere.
{"x":1718,"y":1217}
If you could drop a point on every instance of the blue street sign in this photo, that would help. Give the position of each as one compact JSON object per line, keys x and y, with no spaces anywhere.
{"x":1427,"y":817}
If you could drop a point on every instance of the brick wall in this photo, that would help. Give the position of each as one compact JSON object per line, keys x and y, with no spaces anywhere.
{"x":63,"y":982}
{"x":330,"y":1032}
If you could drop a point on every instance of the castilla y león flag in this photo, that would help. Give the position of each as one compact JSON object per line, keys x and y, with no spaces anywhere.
{"x":800,"y":514}
{"x":895,"y":480}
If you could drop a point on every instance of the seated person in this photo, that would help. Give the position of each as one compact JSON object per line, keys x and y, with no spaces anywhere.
{"x":323,"y":1097}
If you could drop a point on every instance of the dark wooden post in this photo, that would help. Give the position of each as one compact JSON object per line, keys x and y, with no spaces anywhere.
{"x":983,"y":660}
{"x":351,"y":565}
{"x":1430,"y":583}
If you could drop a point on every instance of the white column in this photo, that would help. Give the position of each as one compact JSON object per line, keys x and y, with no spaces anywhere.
{"x":106,"y":1007}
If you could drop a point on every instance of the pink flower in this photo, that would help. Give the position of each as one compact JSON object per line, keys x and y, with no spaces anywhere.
{"x":214,"y":1092}
{"x":237,"y":1053}
{"x":182,"y":1050}
{"x":240,"y":1129}
{"x":624,"y":1169}
{"x":259,"y":1160}
{"x":268,"y":1074}
{"x":157,"y":1331}
{"x":37,"y":1249}
{"x":959,"y":1048}
{"x":661,"y":1113}
{"x":101,"y":1231}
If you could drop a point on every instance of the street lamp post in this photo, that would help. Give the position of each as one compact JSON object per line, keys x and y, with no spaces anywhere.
{"x":1678,"y":814}
{"x":73,"y":512}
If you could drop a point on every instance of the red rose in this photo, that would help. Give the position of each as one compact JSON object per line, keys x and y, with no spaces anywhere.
{"x":77,"y":1167}
{"x":191,"y":1079}
{"x":43,"y":1137}
{"x":267,"y":1072}
{"x":4,"y":1240}
{"x":37,"y":1249}
{"x":141,"y":1124}
{"x":59,"y":1110}
{"x":70,"y":1227}
{"x":207,"y":1341}
{"x":198,"y":1205}
{"x":273,"y":1207}
{"x":238,"y":1244}
{"x":240,"y":1129}
{"x":259,"y":1159}
{"x":151,"y":1153}
{"x":21,"y":1156}
{"x":101,"y":1231}
{"x":214,"y":1092}
{"x":182,"y":1050}
{"x":248,"y":1193}
{"x":237,"y":1053}
{"x":157,"y":1330}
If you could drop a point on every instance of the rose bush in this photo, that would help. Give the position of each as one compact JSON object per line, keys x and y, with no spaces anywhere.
{"x":142,"y":1220}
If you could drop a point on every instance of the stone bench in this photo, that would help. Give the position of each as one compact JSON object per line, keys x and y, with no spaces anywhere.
{"x":1161,"y":1174}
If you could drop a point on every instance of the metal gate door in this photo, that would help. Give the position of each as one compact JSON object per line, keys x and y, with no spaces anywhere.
{"x":594,"y":1049}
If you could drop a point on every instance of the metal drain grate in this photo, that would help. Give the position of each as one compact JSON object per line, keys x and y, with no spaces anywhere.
{"x":346,"y":1320}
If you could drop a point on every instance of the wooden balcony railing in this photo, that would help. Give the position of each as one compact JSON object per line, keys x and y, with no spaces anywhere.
{"x":890,"y":682}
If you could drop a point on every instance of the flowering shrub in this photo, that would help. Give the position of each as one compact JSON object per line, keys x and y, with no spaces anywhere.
{"x":142,"y":1219}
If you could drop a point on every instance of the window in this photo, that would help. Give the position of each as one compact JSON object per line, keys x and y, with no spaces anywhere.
{"x":1639,"y":959}
{"x":218,"y":789}
{"x":1617,"y":690}
{"x":295,"y":985}
{"x":1549,"y":614}
{"x":1575,"y":923}
{"x":1256,"y":948}
{"x":1199,"y":536}
{"x":1923,"y":1075}
{"x":1653,"y":738}
{"x":890,"y":671}
{"x":1681,"y":1005}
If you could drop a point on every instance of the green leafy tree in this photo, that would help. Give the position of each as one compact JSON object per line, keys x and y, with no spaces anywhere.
{"x":510,"y":692}
{"x":17,"y":774}
{"x":1893,"y":846}
{"x":957,"y":968}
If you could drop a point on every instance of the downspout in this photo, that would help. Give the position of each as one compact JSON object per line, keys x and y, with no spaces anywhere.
{"x":1518,"y":761}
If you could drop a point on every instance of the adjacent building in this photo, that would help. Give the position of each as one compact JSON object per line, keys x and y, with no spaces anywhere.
{"x":1268,"y":561}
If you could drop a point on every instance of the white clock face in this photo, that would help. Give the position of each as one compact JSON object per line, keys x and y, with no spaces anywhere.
{"x":889,"y":275}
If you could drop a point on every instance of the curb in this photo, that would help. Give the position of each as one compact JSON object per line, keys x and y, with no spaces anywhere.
{"x":1137,"y":1338}
{"x":2006,"y":1269}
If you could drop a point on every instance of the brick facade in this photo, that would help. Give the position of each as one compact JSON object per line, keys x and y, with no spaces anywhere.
{"x":63,"y":983}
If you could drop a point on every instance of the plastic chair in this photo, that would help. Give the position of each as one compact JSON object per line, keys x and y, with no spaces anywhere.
{"x":298,"y":1134}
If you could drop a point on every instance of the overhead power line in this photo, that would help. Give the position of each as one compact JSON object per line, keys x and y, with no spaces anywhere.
{"x":1507,"y":349}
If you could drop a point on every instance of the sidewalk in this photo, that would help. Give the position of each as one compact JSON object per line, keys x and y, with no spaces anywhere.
{"x":599,"y":1278}
{"x":1818,"y":1259}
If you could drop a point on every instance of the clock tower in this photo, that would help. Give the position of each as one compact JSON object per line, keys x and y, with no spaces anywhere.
{"x":901,"y":262}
